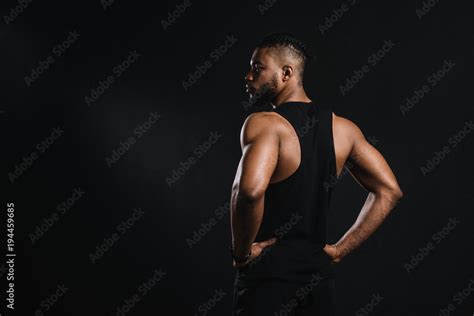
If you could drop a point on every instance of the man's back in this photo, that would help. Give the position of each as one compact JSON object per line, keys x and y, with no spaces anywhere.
{"x":345,"y":134}
{"x":297,"y":198}
{"x":351,"y":148}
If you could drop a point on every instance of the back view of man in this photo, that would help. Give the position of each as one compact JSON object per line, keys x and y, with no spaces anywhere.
{"x":282,"y":189}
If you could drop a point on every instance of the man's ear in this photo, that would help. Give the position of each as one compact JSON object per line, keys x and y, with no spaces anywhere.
{"x":287,"y":72}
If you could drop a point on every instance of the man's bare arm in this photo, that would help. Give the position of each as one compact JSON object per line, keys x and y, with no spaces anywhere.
{"x":370,"y":169}
{"x":260,"y":147}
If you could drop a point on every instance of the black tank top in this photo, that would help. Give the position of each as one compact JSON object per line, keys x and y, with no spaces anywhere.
{"x":295,"y":209}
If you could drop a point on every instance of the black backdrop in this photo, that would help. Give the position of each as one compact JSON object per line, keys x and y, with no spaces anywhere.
{"x":122,"y":143}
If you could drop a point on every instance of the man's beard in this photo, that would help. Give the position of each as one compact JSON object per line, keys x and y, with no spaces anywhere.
{"x":265,"y":94}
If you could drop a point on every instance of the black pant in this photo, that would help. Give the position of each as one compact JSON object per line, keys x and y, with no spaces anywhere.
{"x":274,"y":298}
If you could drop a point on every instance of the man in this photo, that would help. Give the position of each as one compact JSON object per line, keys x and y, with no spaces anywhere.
{"x":282,"y":188}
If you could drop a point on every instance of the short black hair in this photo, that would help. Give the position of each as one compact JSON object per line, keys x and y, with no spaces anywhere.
{"x":289,"y":40}
{"x":286,"y":40}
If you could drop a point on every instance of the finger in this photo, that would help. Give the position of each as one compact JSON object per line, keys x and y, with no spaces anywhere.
{"x":268,"y":242}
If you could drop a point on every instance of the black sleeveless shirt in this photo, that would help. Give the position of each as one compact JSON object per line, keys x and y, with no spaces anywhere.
{"x":295,"y":209}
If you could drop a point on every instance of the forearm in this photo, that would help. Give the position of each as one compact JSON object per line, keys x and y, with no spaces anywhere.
{"x":373,"y":213}
{"x":246,"y":217}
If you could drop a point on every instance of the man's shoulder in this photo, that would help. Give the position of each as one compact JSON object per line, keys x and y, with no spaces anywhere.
{"x":347,"y":134}
{"x":262,"y":116}
{"x":262,"y":120}
{"x":260,"y":123}
{"x":345,"y":126}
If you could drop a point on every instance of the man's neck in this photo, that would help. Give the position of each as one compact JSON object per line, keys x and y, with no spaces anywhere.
{"x":291,"y":95}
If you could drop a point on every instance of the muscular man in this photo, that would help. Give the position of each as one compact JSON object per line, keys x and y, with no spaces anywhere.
{"x":282,"y":188}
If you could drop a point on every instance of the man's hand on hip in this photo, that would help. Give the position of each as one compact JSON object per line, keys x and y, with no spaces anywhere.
{"x":332,"y":252}
{"x":256,"y":250}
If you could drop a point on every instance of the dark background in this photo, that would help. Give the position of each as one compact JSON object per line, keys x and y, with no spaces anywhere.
{"x":215,"y":103}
